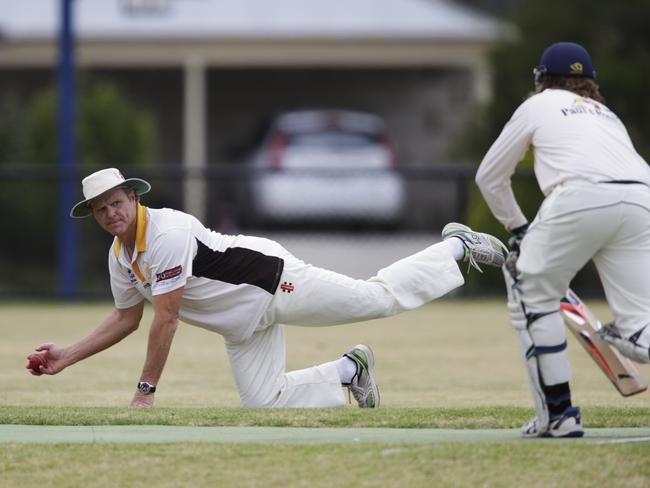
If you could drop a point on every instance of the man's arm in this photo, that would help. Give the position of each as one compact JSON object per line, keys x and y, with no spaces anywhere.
{"x":161,"y":334}
{"x":119,"y":324}
{"x":497,"y":167}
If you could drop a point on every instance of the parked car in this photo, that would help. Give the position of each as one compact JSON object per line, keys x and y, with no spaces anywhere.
{"x":318,"y":166}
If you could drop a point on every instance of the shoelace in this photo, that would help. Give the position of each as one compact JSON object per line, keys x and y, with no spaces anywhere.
{"x":469,"y":256}
{"x":357,"y":393}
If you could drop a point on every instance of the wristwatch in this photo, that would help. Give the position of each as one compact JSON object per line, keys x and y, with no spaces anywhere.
{"x":146,"y":388}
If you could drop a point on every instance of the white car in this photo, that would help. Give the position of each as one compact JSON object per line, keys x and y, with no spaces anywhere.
{"x":326,"y":165}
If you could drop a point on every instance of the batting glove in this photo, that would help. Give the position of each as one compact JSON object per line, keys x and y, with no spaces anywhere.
{"x":514,"y":243}
{"x":630,"y":347}
{"x":517,"y":235}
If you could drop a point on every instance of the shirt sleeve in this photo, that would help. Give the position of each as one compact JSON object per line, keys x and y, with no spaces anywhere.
{"x":125,"y":294}
{"x":495,"y":171}
{"x":172,"y":254}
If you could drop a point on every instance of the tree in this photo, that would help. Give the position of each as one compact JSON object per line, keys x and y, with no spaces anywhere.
{"x":614,"y":33}
{"x":111,"y":131}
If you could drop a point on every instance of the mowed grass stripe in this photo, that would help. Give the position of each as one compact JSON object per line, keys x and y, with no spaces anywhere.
{"x":284,"y":435}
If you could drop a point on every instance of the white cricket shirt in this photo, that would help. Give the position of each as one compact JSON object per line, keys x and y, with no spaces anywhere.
{"x":573,"y":138}
{"x":229,"y":280}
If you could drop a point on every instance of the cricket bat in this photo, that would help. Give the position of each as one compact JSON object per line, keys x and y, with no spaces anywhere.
{"x":584,"y":325}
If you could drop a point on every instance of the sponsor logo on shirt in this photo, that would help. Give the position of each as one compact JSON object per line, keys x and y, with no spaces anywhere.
{"x":169,"y":274}
{"x":584,"y":106}
{"x":287,"y":287}
{"x":134,"y":280}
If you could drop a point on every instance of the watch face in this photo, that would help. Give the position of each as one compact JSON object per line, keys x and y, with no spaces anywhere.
{"x":144,"y":387}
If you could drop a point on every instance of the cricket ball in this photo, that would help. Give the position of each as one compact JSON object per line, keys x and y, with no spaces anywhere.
{"x":35,"y":361}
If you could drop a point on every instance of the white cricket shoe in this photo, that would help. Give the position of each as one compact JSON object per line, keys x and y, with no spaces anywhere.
{"x":567,"y":424}
{"x":363,"y":386}
{"x":479,"y":248}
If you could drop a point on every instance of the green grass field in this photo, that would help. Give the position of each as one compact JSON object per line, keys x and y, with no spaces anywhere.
{"x":453,"y":364}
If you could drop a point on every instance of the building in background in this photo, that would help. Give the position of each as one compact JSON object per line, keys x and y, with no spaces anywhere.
{"x":215,"y":71}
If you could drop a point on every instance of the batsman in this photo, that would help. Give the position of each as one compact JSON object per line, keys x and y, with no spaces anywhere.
{"x":596,"y":207}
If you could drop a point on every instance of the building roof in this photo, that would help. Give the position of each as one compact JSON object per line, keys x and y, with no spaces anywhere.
{"x":443,"y":19}
{"x":257,"y":33}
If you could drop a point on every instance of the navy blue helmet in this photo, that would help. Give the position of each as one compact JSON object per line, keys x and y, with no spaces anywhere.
{"x":564,"y":59}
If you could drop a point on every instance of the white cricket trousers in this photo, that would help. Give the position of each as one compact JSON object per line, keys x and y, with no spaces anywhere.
{"x":318,"y":297}
{"x":579,"y":221}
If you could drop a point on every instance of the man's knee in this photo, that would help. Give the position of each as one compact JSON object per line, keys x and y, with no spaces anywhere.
{"x":546,"y":328}
{"x":258,"y":401}
{"x":263,"y":395}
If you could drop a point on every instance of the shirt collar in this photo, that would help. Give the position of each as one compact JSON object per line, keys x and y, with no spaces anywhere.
{"x":140,"y":233}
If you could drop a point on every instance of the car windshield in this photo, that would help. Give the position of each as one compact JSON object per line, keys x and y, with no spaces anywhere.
{"x":331,"y":139}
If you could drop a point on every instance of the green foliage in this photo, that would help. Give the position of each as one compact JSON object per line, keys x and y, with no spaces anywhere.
{"x":11,"y":120}
{"x":110,"y":132}
{"x":615,"y":35}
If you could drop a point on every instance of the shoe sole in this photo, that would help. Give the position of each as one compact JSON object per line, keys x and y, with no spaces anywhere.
{"x":570,"y":435}
{"x":557,"y":433}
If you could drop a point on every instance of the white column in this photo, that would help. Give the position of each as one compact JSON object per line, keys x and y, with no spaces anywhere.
{"x":482,"y":81}
{"x":194,"y":136}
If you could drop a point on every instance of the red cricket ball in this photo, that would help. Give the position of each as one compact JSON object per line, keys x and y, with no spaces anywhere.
{"x":36,"y":360}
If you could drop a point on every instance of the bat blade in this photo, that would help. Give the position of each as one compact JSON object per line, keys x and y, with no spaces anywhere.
{"x":621,"y":371}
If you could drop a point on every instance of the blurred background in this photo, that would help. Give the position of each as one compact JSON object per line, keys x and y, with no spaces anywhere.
{"x":348,"y":130}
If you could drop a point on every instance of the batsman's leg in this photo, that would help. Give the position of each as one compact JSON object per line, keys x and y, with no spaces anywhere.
{"x":519,"y":323}
{"x":624,"y":266}
{"x":547,"y":368}
{"x":543,"y":276}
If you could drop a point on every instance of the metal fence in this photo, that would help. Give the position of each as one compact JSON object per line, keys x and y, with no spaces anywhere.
{"x":432,"y":196}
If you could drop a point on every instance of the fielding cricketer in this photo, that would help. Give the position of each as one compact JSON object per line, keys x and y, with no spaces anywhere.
{"x":244,"y":288}
{"x":596,"y":206}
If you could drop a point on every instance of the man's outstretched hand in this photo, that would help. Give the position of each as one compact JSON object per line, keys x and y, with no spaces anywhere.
{"x":50,"y":359}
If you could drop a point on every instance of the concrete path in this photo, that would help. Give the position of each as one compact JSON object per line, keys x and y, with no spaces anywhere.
{"x":286,"y":435}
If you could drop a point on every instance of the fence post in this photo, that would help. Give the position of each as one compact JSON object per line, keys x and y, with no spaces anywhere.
{"x":67,"y":251}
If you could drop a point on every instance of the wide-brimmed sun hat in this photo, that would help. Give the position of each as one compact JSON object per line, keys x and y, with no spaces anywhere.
{"x":101,"y":182}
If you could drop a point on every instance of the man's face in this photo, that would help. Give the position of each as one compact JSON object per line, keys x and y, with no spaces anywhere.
{"x":115,"y":211}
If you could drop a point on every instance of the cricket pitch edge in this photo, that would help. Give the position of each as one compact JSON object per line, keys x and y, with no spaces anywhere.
{"x":89,"y":434}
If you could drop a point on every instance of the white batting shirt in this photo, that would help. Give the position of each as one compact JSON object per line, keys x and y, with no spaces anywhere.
{"x":229,"y":280}
{"x":574,"y":138}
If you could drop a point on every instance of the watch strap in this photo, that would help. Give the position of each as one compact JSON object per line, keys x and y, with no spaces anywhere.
{"x":146,"y":388}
